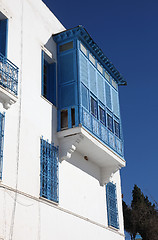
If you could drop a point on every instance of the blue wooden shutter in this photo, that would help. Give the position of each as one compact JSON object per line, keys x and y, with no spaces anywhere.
{"x":3,"y":36}
{"x":115,"y":103}
{"x":112,"y":205}
{"x":51,"y":81}
{"x":92,"y":79}
{"x":85,"y":98}
{"x":108,"y":95}
{"x":101,"y":89}
{"x":84,"y":70}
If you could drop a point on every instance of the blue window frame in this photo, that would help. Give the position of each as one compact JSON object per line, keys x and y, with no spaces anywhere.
{"x":117,"y":128}
{"x":102,"y":115}
{"x":3,"y":36}
{"x":94,"y":111}
{"x":49,"y":171}
{"x":48,"y":79}
{"x":1,"y":142}
{"x":112,"y":205}
{"x":110,"y":122}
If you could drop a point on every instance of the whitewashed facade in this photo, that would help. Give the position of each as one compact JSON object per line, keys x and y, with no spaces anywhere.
{"x":86,"y":164}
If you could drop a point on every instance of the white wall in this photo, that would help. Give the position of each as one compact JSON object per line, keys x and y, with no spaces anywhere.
{"x":81,"y":213}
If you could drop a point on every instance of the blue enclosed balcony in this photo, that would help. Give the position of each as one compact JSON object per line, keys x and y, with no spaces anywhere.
{"x":88,"y":98}
{"x":8,"y":82}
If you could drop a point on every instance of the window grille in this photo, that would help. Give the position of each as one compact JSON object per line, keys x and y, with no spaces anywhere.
{"x":1,"y":142}
{"x":49,"y":171}
{"x":112,"y":205}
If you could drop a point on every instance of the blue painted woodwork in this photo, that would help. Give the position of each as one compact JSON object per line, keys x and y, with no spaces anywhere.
{"x":84,"y":87}
{"x":48,"y":80}
{"x":49,"y":171}
{"x":112,"y":205}
{"x":138,"y":237}
{"x":80,"y":32}
{"x":2,"y":117}
{"x":3,"y":36}
{"x":8,"y":75}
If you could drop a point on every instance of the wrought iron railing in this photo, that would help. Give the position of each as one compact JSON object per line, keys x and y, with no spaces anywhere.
{"x":8,"y":75}
{"x":101,"y":131}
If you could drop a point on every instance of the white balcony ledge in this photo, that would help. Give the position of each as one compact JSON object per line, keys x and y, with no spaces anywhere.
{"x":7,"y":98}
{"x":79,"y":139}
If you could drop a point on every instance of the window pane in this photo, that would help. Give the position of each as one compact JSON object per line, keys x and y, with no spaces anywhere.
{"x":107,"y":76}
{"x":93,"y":107}
{"x":73,"y":117}
{"x":102,"y":115}
{"x":92,"y":59}
{"x":45,"y":76}
{"x":83,"y":49}
{"x":117,"y":128}
{"x":66,"y":46}
{"x":114,"y":84}
{"x":109,"y":122}
{"x":99,"y":68}
{"x":64,"y":119}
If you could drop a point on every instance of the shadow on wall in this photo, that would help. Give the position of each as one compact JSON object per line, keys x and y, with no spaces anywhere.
{"x":85,"y":165}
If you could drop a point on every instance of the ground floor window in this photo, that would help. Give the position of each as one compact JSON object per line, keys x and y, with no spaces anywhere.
{"x":112,"y":205}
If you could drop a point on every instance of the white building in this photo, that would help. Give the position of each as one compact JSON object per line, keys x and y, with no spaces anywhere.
{"x":57,"y":88}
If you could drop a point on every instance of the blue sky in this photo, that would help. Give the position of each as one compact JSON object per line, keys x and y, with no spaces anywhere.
{"x":127,"y":32}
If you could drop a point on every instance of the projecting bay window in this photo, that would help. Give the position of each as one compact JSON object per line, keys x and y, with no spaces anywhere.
{"x":48,"y":78}
{"x":49,"y":171}
{"x":112,"y":210}
{"x":1,"y":142}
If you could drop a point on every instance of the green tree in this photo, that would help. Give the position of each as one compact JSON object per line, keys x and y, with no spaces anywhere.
{"x":141,"y":216}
